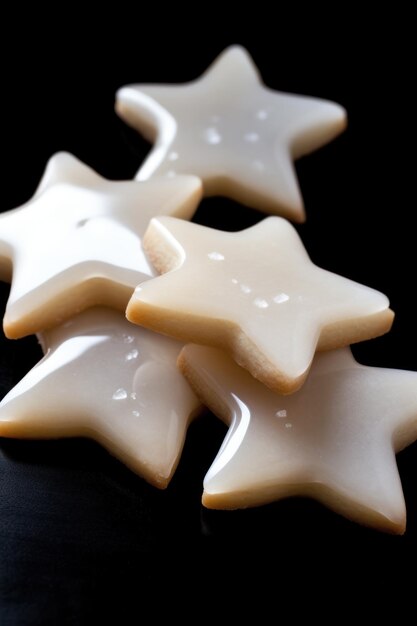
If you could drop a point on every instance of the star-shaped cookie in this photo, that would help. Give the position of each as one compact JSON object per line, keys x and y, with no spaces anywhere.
{"x":77,"y":242}
{"x":335,"y":440}
{"x":254,"y":293}
{"x":106,"y":379}
{"x":237,"y":135}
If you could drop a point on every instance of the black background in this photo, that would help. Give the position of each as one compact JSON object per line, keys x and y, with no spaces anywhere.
{"x":80,"y":535}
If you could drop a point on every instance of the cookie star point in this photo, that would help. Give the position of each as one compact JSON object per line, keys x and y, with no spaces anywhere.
{"x":62,"y":167}
{"x":236,"y":134}
{"x":234,"y":61}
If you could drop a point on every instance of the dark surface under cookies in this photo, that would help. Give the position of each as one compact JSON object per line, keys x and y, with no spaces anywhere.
{"x":80,"y":535}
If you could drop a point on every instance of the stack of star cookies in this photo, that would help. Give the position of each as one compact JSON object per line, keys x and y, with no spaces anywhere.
{"x":243,"y":323}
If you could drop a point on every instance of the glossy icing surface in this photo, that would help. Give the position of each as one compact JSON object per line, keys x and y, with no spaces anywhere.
{"x":335,"y":440}
{"x":77,"y":242}
{"x":234,"y":133}
{"x":103,"y":378}
{"x":254,"y":293}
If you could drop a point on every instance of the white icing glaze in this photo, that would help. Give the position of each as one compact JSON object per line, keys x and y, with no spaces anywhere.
{"x":77,"y":242}
{"x":335,"y":440}
{"x":255,"y":293}
{"x":234,"y":133}
{"x":106,"y":379}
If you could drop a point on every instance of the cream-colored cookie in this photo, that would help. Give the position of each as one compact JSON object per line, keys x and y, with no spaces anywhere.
{"x":335,"y":440}
{"x":254,"y":293}
{"x":106,"y":379}
{"x":237,"y":135}
{"x":77,"y":242}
